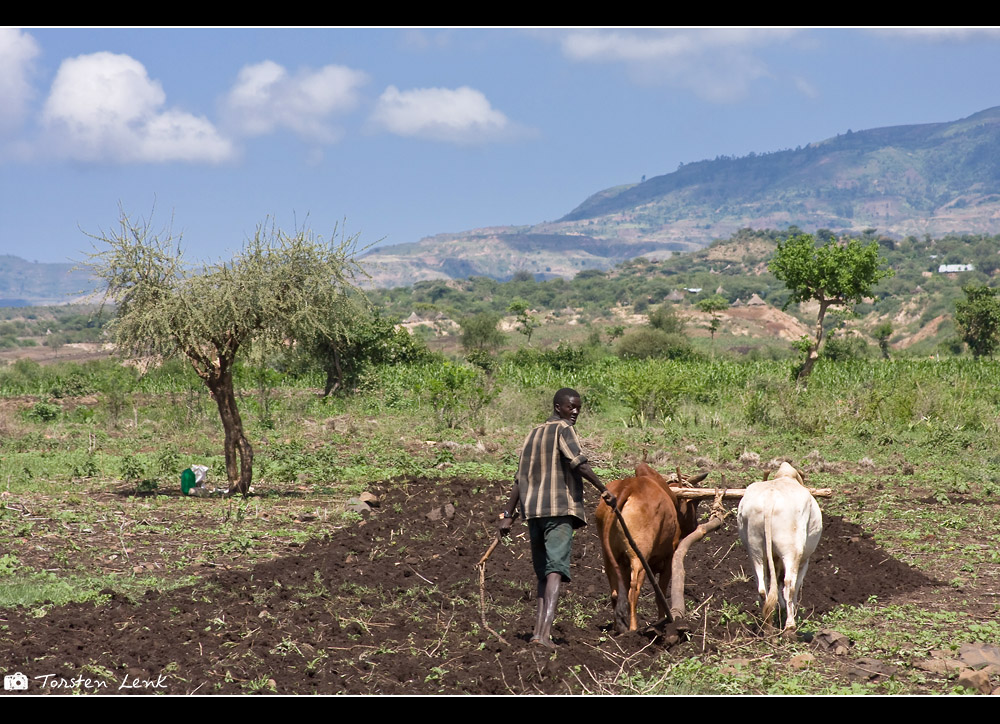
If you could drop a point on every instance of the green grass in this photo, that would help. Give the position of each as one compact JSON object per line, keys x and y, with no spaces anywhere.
{"x":42,"y":591}
{"x":910,"y":446}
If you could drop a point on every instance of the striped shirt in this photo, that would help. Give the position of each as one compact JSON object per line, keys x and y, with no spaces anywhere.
{"x":547,"y":480}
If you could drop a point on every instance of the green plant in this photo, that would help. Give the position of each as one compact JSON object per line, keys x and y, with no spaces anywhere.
{"x":9,"y":564}
{"x":457,"y":393}
{"x":44,"y":412}
{"x":147,"y":486}
{"x":832,"y":274}
{"x":652,"y":343}
{"x":279,"y":286}
{"x":527,"y":323}
{"x":479,"y":331}
{"x":978,"y":319}
{"x":665,"y":319}
{"x":132,"y":469}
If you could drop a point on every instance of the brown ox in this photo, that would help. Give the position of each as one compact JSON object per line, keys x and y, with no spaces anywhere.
{"x":657,"y":522}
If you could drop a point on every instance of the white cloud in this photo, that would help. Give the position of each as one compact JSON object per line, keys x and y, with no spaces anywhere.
{"x":266,"y":98}
{"x":461,"y":115}
{"x":805,"y":87}
{"x":422,"y":39}
{"x":935,"y":34}
{"x":18,"y":51}
{"x":718,"y":64}
{"x":104,"y":108}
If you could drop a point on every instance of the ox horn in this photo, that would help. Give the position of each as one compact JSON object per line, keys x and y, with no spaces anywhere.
{"x":697,"y":478}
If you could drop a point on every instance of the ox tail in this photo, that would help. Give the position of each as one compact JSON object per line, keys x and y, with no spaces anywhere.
{"x":620,"y":595}
{"x":771,"y":602}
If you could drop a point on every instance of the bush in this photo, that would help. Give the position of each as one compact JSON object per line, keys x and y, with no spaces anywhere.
{"x":566,"y":357}
{"x":666,"y":320}
{"x":480,"y":332}
{"x":457,"y":393}
{"x":651,"y":392}
{"x":44,"y":412}
{"x":838,"y":349}
{"x":651,"y":343}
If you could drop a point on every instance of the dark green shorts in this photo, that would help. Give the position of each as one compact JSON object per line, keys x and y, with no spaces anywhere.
{"x":551,"y":545}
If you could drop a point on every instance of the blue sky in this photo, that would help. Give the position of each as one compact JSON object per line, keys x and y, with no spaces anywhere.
{"x":400,"y":133}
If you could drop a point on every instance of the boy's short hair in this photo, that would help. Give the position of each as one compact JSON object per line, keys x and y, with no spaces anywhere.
{"x":564,"y":394}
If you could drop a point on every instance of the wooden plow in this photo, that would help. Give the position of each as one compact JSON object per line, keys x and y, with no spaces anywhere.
{"x":675,"y":617}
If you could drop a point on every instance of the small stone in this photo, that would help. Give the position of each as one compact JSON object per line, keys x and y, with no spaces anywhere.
{"x":359,"y":507}
{"x":975,"y":680}
{"x":369,"y":498}
{"x":801,"y":661}
{"x":991,"y":670}
{"x":833,"y":641}
{"x":977,"y":656}
{"x":735,"y":667}
{"x":940,"y":666}
{"x":870,"y":669}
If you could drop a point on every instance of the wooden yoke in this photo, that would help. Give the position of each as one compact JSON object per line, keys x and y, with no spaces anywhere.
{"x":714,"y":521}
{"x":704,"y":493}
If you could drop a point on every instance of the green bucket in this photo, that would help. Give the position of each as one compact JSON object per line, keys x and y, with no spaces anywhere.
{"x":187,"y":481}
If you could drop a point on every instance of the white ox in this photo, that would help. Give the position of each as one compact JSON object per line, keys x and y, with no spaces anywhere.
{"x":780,"y":521}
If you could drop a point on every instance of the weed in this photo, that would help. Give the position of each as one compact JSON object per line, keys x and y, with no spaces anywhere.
{"x":9,"y":565}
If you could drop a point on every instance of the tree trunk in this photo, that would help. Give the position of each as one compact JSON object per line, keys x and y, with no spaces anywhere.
{"x":334,"y":375}
{"x":813,"y":354}
{"x":239,"y":452}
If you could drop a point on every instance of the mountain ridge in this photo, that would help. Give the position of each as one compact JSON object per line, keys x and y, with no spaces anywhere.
{"x":932,"y":178}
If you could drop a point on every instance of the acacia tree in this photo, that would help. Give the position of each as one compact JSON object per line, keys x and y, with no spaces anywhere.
{"x":277,"y":288}
{"x":978,"y":319}
{"x":480,"y":332}
{"x":527,"y":323}
{"x":372,"y":339}
{"x":838,"y":273}
{"x":713,"y":305}
{"x":882,"y":334}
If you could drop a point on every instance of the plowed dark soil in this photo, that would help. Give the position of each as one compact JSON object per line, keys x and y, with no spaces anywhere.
{"x":392,"y":606}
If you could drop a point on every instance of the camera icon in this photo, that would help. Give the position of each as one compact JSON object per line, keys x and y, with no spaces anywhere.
{"x":15,"y":682}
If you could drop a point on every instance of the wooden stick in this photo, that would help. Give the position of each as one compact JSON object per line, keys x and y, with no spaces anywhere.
{"x":677,"y":567}
{"x":660,"y":597}
{"x":482,"y":589}
{"x":489,"y":551}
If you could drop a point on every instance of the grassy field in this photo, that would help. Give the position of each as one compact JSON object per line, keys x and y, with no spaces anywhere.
{"x":91,"y":456}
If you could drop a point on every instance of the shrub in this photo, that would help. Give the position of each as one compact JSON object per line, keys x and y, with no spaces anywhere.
{"x":651,"y":343}
{"x":651,"y":392}
{"x":44,"y":412}
{"x":840,"y":348}
{"x":665,"y":319}
{"x":480,"y":332}
{"x":457,"y":393}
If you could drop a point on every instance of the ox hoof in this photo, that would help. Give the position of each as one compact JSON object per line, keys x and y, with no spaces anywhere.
{"x":790,"y":633}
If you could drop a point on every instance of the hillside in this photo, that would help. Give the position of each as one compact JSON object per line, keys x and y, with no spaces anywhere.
{"x":930,"y":179}
{"x":918,"y":301}
{"x":25,"y":283}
